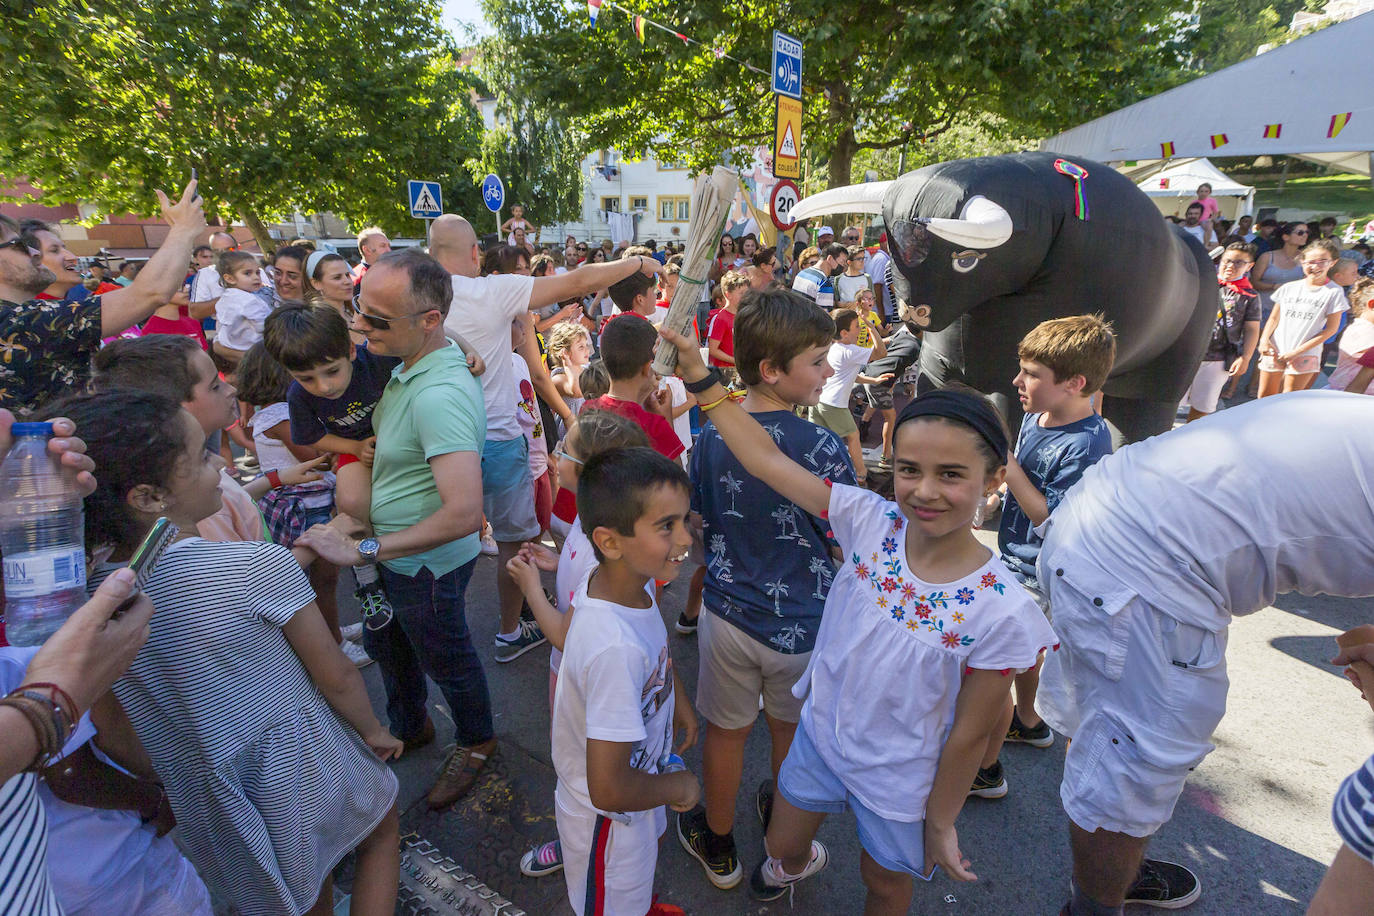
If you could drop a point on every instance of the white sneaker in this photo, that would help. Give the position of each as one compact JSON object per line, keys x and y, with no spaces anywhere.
{"x":353,"y":632}
{"x":489,"y":547}
{"x":356,"y":653}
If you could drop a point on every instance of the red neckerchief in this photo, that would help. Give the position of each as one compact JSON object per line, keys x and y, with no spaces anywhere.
{"x":1241,"y":287}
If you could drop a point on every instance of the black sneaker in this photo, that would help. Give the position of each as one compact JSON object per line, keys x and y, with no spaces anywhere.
{"x":716,"y":854}
{"x":763,"y":802}
{"x":1037,"y":736}
{"x":769,"y":882}
{"x":1165,"y":885}
{"x":526,"y":638}
{"x":989,"y":783}
{"x":686,"y":625}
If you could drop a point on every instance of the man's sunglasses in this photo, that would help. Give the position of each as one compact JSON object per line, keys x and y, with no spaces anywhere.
{"x":377,"y":321}
{"x":21,"y":246}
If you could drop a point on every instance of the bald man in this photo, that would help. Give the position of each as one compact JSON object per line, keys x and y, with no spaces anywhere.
{"x":482,"y":312}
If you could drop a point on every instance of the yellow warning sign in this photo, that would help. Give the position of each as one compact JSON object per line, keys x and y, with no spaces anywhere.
{"x":787,"y":138}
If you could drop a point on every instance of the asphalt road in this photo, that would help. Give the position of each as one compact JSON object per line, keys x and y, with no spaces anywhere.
{"x":1254,"y":821}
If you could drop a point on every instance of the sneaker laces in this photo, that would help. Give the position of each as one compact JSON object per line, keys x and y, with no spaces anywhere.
{"x":457,"y":759}
{"x":529,"y":629}
{"x":376,"y":609}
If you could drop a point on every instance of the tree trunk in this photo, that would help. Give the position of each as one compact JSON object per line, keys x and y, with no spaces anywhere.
{"x":842,"y":158}
{"x":255,"y":226}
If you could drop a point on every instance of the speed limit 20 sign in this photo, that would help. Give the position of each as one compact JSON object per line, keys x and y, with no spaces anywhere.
{"x":785,"y":197}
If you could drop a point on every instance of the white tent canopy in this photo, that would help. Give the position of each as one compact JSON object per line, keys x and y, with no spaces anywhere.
{"x":1175,"y":186}
{"x":1300,"y":99}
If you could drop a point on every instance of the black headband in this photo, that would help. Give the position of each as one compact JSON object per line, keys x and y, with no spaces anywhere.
{"x":968,"y":408}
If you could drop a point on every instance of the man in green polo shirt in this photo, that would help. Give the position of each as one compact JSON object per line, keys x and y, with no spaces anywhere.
{"x":430,"y":426}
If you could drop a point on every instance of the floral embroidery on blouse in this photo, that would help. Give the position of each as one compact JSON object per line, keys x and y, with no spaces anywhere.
{"x":885,"y":580}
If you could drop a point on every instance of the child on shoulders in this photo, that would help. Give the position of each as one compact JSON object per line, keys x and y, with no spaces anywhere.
{"x":847,"y":358}
{"x":240,"y":311}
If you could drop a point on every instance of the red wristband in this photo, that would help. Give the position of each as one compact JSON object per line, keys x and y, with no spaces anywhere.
{"x":274,"y":479}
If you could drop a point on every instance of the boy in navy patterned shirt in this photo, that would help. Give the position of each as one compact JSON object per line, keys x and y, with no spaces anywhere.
{"x":1063,"y":363}
{"x":768,"y":567}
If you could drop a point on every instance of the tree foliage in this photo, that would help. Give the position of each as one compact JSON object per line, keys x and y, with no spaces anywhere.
{"x":1230,"y":31}
{"x":877,"y":75}
{"x":312,"y":105}
{"x":539,"y":160}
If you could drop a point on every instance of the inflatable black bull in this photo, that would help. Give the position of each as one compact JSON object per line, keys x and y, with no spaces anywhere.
{"x":985,"y":249}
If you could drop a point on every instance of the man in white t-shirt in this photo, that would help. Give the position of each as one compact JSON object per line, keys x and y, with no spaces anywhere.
{"x":847,"y":360}
{"x":1193,"y":225}
{"x":1146,"y":562}
{"x":482,"y":311}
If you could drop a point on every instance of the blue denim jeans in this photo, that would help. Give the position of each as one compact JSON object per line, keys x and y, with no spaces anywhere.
{"x":429,"y":636}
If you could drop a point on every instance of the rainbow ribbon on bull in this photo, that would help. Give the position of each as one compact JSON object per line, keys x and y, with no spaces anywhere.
{"x":1077,"y":173}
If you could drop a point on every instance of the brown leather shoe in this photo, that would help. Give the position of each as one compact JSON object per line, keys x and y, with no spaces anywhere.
{"x":425,"y":737}
{"x":458,"y":774}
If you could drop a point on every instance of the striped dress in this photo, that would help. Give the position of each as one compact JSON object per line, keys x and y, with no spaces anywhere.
{"x":24,"y":886}
{"x":1353,"y":811}
{"x":270,"y":787}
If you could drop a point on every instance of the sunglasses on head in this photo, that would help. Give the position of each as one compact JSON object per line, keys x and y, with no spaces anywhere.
{"x":377,"y":321}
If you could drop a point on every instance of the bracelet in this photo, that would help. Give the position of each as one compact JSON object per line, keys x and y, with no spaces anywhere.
{"x":157,"y":808}
{"x":73,"y":711}
{"x":274,"y":478}
{"x":716,"y":403}
{"x":713,"y":377}
{"x":45,"y":728}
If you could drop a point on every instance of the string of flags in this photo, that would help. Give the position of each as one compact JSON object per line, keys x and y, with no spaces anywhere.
{"x":639,"y":24}
{"x":1270,"y":132}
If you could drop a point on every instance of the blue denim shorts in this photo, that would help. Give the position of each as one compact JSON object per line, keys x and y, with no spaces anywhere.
{"x":808,"y":783}
{"x":318,"y":516}
{"x":508,"y":490}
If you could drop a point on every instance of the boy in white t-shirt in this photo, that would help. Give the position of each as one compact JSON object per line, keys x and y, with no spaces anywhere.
{"x":848,"y":359}
{"x":240,"y":312}
{"x":617,"y":704}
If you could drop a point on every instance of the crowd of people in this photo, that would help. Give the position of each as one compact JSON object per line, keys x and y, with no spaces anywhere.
{"x":305,"y":416}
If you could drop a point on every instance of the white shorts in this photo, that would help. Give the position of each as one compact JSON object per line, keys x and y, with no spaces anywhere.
{"x":608,"y":866}
{"x":1139,"y":694}
{"x":1205,"y":391}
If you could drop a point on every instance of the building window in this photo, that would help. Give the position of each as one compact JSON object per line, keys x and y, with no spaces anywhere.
{"x":673,"y":209}
{"x":611,"y":203}
{"x":639,"y":203}
{"x":672,"y":166}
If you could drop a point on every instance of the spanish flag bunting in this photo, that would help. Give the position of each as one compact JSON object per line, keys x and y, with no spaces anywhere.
{"x":639,"y":28}
{"x":1218,"y":140}
{"x":593,"y":8}
{"x":1166,"y":150}
{"x":1272,"y":131}
{"x":1338,"y":122}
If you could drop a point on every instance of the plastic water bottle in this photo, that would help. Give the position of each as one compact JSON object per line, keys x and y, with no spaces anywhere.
{"x":42,"y":538}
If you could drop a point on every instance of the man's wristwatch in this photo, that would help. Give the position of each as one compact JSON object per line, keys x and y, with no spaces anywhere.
{"x":713,"y":377}
{"x":368,"y":548}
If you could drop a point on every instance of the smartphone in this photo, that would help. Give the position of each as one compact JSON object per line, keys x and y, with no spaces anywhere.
{"x":196,"y":178}
{"x":148,"y":553}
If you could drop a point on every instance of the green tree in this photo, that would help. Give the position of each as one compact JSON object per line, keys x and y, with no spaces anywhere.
{"x":877,"y":75}
{"x":312,"y":105}
{"x":538,"y":159}
{"x":1229,"y":31}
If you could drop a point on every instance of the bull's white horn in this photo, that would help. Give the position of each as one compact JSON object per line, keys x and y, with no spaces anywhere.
{"x":982,"y":224}
{"x":855,"y":198}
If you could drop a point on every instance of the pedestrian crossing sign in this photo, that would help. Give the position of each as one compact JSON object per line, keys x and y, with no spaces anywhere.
{"x":426,"y":200}
{"x":787,"y":138}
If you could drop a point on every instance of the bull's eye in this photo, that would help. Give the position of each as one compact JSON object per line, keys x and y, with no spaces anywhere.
{"x":964,"y":261}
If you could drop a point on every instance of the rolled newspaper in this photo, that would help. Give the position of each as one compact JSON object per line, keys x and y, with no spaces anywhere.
{"x":712,"y":196}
